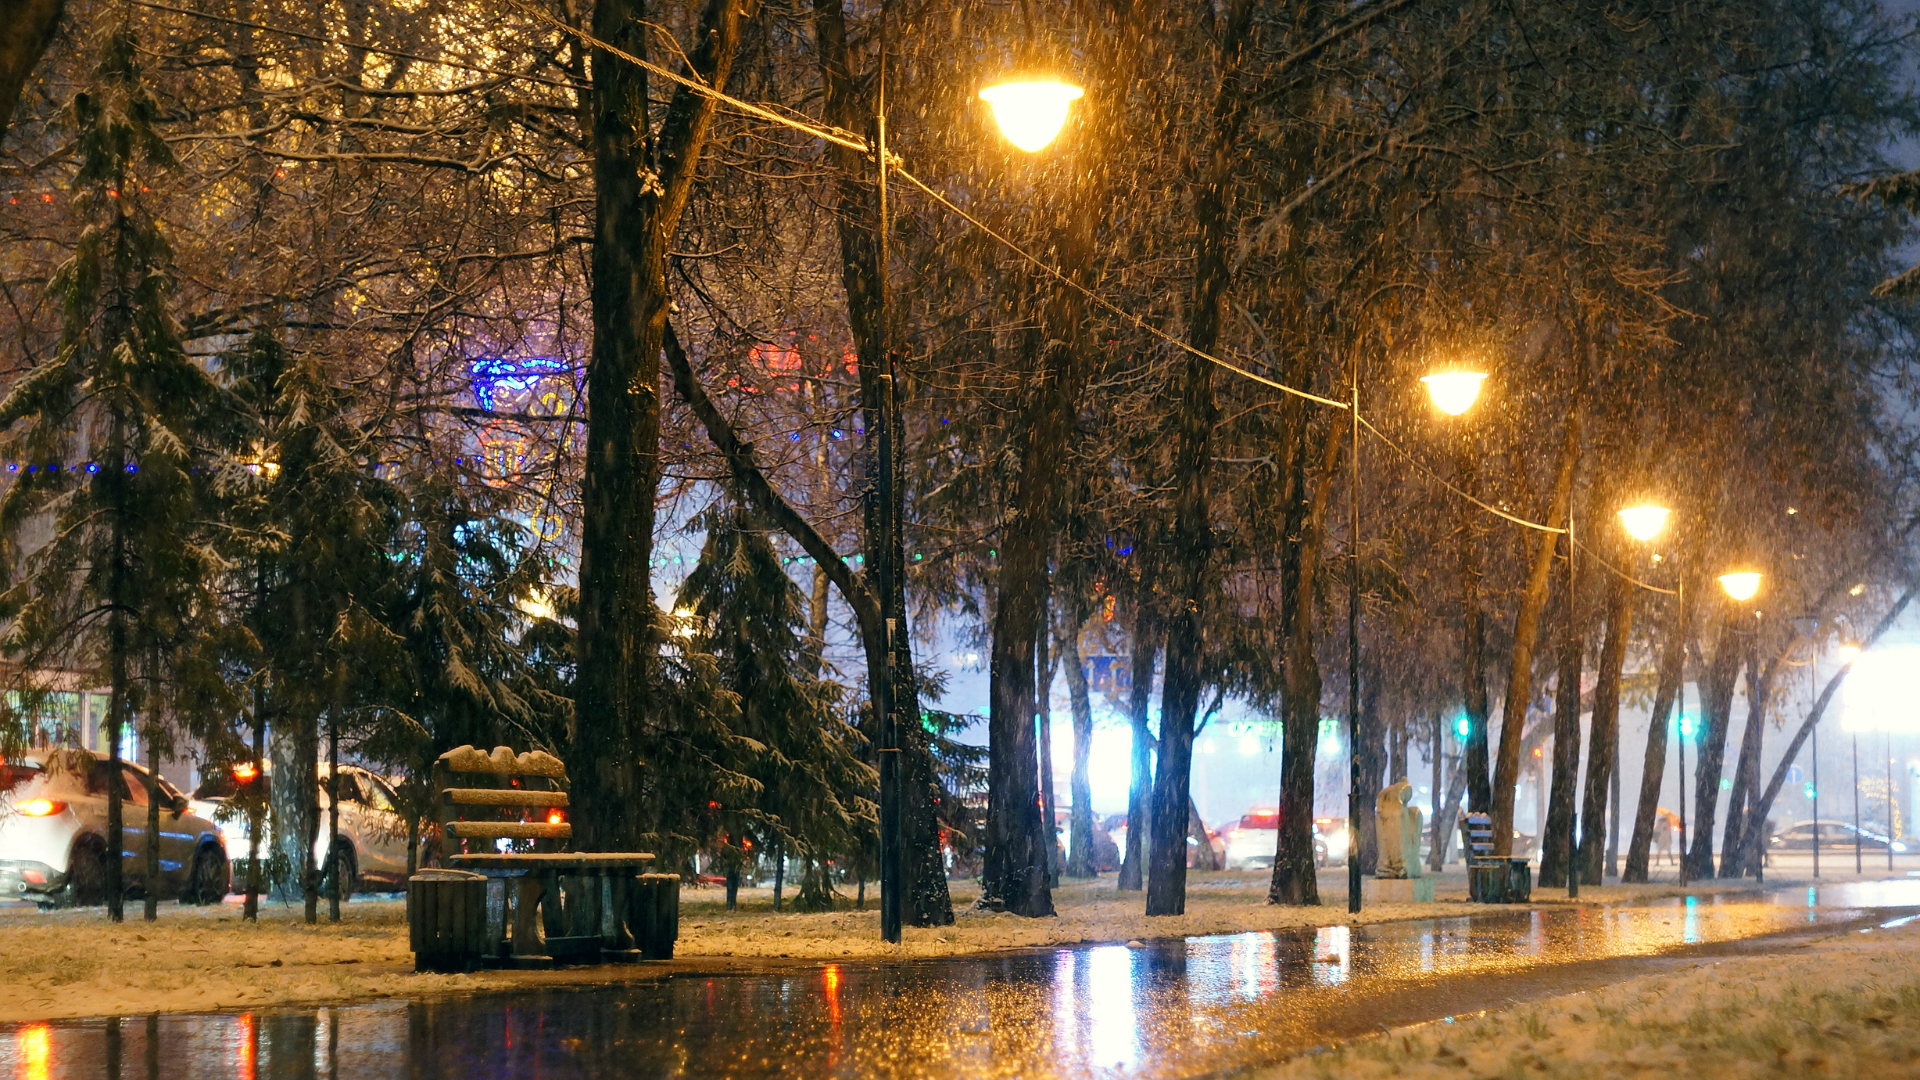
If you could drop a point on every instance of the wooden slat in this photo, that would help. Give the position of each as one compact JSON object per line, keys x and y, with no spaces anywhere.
{"x":559,"y":861}
{"x":503,"y":797}
{"x":509,"y":830}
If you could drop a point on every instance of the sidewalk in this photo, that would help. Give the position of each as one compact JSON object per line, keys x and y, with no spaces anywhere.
{"x":1846,"y":1005}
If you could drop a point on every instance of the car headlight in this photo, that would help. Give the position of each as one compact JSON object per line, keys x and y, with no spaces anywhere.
{"x":1898,"y":846}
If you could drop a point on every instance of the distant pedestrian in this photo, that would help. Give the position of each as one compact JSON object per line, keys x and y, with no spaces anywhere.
{"x":1666,"y":834}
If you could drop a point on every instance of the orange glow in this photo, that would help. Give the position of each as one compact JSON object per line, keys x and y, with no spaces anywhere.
{"x":832,"y":978}
{"x":245,"y":771}
{"x":41,"y":807}
{"x":36,"y":1052}
{"x":555,"y":817}
{"x":244,"y":1056}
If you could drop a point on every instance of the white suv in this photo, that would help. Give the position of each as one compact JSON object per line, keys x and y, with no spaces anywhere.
{"x":373,"y":834}
{"x":53,"y":833}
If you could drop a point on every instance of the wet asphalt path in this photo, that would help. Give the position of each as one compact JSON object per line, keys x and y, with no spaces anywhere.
{"x":1179,"y":1008}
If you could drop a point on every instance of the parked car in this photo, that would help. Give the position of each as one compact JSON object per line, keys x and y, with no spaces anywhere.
{"x":373,"y":834}
{"x":53,"y":833}
{"x":1106,"y":856}
{"x":1251,"y":843}
{"x":1833,"y":834}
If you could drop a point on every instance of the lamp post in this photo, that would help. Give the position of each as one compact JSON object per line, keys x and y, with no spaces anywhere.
{"x":1454,"y":392}
{"x":1848,"y":654}
{"x":1740,"y":587}
{"x":1805,"y":626}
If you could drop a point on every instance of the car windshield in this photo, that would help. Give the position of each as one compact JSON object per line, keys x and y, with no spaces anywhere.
{"x":1261,"y":819}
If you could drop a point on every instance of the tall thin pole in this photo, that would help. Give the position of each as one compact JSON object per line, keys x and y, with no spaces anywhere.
{"x":1858,"y":866}
{"x":1681,"y":738}
{"x":1354,"y":809}
{"x":1816,"y":778}
{"x":892,"y":857}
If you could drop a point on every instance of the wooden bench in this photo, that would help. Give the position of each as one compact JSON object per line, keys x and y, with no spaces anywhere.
{"x":1492,"y":879}
{"x":540,"y":907}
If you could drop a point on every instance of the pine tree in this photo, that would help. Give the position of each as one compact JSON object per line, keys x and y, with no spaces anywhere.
{"x":101,"y":561}
{"x":811,"y":790}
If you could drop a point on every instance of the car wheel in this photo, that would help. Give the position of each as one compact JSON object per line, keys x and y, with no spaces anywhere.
{"x":86,"y":876}
{"x":340,"y":868}
{"x":210,"y":879}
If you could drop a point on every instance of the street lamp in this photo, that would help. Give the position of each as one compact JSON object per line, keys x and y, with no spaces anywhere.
{"x":1741,"y":585}
{"x":1644,"y":522}
{"x":1031,"y":112}
{"x":1454,"y":392}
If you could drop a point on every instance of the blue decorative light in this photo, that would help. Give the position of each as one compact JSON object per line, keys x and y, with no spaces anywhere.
{"x":93,"y":467}
{"x":519,"y":374}
{"x":1463,"y":727}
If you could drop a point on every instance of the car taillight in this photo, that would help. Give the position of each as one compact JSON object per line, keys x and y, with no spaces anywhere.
{"x":556,"y":817}
{"x":33,"y":877}
{"x":42,"y":807}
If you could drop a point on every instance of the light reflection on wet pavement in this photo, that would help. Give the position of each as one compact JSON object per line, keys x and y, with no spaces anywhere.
{"x":1173,"y":1009}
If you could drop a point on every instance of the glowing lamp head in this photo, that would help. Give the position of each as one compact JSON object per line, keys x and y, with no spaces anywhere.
{"x":1849,"y":653}
{"x":1742,"y":585}
{"x":1031,"y":113}
{"x":1645,"y":522}
{"x":1454,"y":392}
{"x":41,"y":807}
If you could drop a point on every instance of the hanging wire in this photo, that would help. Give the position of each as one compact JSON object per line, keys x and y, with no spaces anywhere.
{"x":1442,"y":481}
{"x":1634,"y":580}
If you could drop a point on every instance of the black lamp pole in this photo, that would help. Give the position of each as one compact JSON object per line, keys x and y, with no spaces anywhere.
{"x":887,"y":573}
{"x":1354,"y":809}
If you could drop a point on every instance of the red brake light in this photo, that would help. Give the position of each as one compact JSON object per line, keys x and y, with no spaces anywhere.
{"x":245,"y":771}
{"x":42,"y":807}
{"x":555,"y":817}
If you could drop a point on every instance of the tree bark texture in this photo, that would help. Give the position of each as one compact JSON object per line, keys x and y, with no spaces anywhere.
{"x":1526,"y":632}
{"x":1722,"y":672}
{"x":1373,"y":760}
{"x":1556,"y":836}
{"x":1295,"y":878}
{"x":1654,"y":768}
{"x":1043,"y":717}
{"x":1080,"y":823}
{"x":1145,"y":647}
{"x":1604,"y":729}
{"x":641,"y":186}
{"x":26,"y":28}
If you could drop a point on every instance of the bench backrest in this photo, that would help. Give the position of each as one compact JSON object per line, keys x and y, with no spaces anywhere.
{"x":1476,"y":833}
{"x":481,"y":798}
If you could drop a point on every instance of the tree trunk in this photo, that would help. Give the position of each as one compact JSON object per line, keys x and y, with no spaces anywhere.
{"x":333,"y":869}
{"x":1717,"y":703}
{"x":1295,"y":877}
{"x":1448,"y":817}
{"x":1653,"y":771}
{"x":1556,"y":836}
{"x":1746,"y":770}
{"x":256,"y":808}
{"x":1373,"y":757}
{"x":1080,"y":823}
{"x":1191,"y":549}
{"x":642,"y":182}
{"x":1603,"y":729}
{"x":1043,"y":702}
{"x":779,"y":870}
{"x":26,"y":29}
{"x":151,"y":861}
{"x":1526,"y":628}
{"x":1145,"y":646}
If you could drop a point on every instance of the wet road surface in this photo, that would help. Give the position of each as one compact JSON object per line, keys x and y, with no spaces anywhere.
{"x":1181,"y":1008}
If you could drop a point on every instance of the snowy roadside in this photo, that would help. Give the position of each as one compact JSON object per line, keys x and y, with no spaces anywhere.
{"x":75,"y":964}
{"x":1845,"y":1005}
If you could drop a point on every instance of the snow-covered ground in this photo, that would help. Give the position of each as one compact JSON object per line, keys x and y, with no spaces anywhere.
{"x":76,"y":964}
{"x":1844,"y":1006}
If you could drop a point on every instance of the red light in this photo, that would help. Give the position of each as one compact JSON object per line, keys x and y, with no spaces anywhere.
{"x":33,"y":877}
{"x":712,"y":805}
{"x":555,"y":817}
{"x":42,"y":807}
{"x":245,"y":771}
